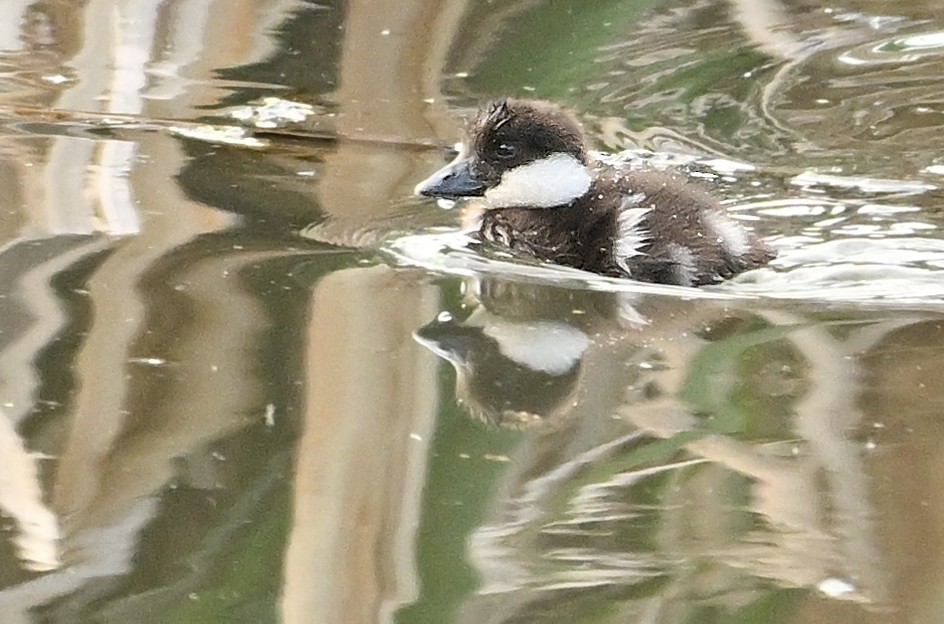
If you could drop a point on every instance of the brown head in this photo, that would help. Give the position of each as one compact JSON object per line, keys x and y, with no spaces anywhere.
{"x":519,"y":153}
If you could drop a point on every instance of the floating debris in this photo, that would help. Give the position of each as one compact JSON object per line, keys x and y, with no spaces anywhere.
{"x":272,"y":112}
{"x":227,"y":135}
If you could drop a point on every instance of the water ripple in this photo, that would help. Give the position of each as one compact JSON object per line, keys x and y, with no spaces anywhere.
{"x":876,"y":271}
{"x":896,"y":50}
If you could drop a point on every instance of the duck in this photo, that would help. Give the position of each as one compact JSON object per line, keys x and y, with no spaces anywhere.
{"x":511,"y":374}
{"x":547,"y":198}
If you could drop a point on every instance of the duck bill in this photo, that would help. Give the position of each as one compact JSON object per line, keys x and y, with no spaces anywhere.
{"x":450,"y":341}
{"x":453,"y":181}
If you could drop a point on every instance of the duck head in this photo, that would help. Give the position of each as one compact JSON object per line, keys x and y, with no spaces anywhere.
{"x":519,"y":153}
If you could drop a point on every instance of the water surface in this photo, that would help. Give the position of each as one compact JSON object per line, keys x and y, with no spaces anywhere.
{"x":246,"y":377}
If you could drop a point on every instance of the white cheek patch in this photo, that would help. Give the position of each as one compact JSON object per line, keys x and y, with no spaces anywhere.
{"x":631,"y":233}
{"x":730,"y":234}
{"x":553,"y":181}
{"x":552,"y":348}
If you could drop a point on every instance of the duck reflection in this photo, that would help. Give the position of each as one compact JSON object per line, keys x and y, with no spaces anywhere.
{"x":521,"y":356}
{"x":518,"y":355}
{"x":510,"y":373}
{"x":696,"y":449}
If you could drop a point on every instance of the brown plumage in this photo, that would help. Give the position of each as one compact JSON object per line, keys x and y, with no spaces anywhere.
{"x":646,"y":225}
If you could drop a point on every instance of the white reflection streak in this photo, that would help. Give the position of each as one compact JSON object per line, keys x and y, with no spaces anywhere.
{"x":100,"y":198}
{"x":823,"y":418}
{"x":18,"y":376}
{"x":185,"y":47}
{"x":269,"y":19}
{"x":131,"y":53}
{"x":20,"y":491}
{"x":12,"y":15}
{"x":192,"y":29}
{"x":134,"y":36}
{"x":109,"y":179}
{"x":107,"y":552}
{"x":37,"y":540}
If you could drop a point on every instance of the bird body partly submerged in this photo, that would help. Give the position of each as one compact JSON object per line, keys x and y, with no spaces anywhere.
{"x":544,"y":197}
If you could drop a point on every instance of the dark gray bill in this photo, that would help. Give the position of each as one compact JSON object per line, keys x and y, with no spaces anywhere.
{"x":453,"y":181}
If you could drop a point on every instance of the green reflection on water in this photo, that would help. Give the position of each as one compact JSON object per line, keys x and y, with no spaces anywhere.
{"x":555,"y":48}
{"x":246,"y":578}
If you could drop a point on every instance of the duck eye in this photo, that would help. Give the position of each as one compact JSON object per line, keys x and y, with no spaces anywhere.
{"x":506,"y":151}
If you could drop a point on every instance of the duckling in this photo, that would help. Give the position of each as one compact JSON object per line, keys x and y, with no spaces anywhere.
{"x":546,"y":197}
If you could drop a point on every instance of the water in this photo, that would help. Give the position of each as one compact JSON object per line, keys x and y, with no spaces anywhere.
{"x":246,"y":377}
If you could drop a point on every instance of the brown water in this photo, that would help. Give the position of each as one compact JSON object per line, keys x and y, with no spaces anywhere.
{"x":226,"y":327}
